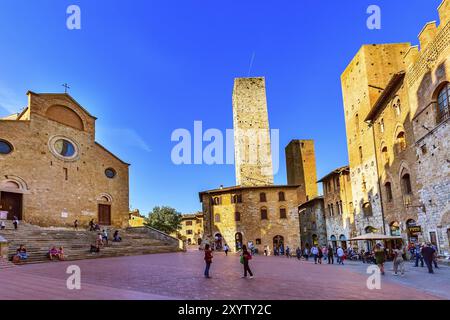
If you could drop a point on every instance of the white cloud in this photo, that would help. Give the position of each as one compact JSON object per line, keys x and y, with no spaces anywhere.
{"x":123,"y":136}
{"x":9,"y":100}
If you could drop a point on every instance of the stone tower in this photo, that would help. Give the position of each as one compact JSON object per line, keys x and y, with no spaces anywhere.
{"x":301,"y":166}
{"x":253,"y":156}
{"x":363,"y":81}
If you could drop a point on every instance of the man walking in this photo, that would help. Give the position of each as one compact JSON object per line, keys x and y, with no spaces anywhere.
{"x":315,"y":253}
{"x":340,"y":254}
{"x":428,"y":255}
{"x":418,"y":255}
{"x":330,"y":255}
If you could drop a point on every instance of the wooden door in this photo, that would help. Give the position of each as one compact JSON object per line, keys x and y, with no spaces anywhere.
{"x":12,"y":203}
{"x":104,"y":214}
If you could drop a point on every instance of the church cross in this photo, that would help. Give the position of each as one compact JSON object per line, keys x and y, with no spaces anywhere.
{"x":66,"y":87}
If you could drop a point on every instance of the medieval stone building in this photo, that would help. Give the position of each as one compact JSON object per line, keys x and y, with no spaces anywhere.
{"x":191,"y":231}
{"x":313,"y":231}
{"x":396,"y":103}
{"x":428,"y":82}
{"x":338,"y":207}
{"x":255,"y":210}
{"x":52,"y":171}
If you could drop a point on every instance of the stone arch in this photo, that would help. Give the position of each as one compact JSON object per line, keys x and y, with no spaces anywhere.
{"x":66,"y":116}
{"x":13,"y":184}
{"x":398,"y":128}
{"x":403,"y":169}
{"x":438,"y":89}
{"x":105,"y":197}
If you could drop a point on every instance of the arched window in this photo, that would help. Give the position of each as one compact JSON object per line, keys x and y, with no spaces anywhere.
{"x":385,"y":155}
{"x":264,"y":214}
{"x":443,"y":103}
{"x":217,"y":201}
{"x":360,"y":154}
{"x":237,"y":216}
{"x":237,"y":198}
{"x":406,"y":184}
{"x":262,"y":197}
{"x":281,"y":196}
{"x":397,"y":107}
{"x":367,"y":209}
{"x":217,"y":218}
{"x":331,"y":210}
{"x":283,"y":214}
{"x":395,"y":228}
{"x":382,"y":125}
{"x":388,"y":189}
{"x":401,"y":141}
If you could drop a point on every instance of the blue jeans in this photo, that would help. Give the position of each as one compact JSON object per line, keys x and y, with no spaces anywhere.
{"x":208,"y":265}
{"x":419,"y":257}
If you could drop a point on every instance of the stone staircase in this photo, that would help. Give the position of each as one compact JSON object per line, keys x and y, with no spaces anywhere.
{"x":76,"y":243}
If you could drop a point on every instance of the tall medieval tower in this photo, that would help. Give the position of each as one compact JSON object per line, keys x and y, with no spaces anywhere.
{"x":301,"y":166}
{"x":362,"y":82}
{"x":253,"y":155}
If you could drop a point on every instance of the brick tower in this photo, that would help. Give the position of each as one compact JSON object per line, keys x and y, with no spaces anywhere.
{"x":253,"y":156}
{"x":301,"y":166}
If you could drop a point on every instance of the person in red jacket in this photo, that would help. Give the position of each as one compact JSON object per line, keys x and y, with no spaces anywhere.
{"x":246,"y":256}
{"x":208,"y":260}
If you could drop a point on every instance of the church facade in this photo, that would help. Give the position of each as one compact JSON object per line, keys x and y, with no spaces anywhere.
{"x":53,"y":172}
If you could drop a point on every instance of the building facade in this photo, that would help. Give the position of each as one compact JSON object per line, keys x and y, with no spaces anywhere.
{"x":313,"y":229}
{"x":263,"y":215}
{"x":390,"y":120}
{"x":363,"y":82}
{"x":52,"y":171}
{"x":338,"y":207}
{"x":191,"y":229}
{"x":428,"y":78}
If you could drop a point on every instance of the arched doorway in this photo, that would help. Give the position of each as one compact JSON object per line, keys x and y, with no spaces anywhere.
{"x":238,"y":241}
{"x":278,"y":243}
{"x":218,"y":241}
{"x":394,"y":228}
{"x":343,"y":241}
{"x":11,"y":199}
{"x":189,"y":241}
{"x":370,"y":229}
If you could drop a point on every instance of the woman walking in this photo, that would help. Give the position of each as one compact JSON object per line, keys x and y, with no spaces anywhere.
{"x":399,"y":262}
{"x":245,"y":257}
{"x":380,"y":257}
{"x":208,"y":260}
{"x":319,"y":255}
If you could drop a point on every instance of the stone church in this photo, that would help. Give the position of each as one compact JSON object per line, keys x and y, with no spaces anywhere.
{"x":52,"y":171}
{"x":256,"y":210}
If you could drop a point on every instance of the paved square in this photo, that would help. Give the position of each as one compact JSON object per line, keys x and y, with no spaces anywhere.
{"x":179,"y":276}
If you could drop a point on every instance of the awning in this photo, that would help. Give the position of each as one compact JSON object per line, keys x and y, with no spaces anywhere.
{"x":375,"y":236}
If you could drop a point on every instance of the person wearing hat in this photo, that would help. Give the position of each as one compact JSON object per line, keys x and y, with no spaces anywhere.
{"x":380,"y":257}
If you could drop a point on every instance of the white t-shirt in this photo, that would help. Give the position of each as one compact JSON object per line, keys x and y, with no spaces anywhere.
{"x":340,"y":252}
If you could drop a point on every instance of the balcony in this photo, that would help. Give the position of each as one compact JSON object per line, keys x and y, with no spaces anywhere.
{"x":442,"y":115}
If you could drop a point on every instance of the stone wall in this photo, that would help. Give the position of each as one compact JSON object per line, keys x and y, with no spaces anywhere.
{"x":220,"y":219}
{"x":253,"y":156}
{"x":312,"y":223}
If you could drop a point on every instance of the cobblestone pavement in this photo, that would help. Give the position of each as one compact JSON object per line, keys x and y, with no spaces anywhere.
{"x":179,"y":276}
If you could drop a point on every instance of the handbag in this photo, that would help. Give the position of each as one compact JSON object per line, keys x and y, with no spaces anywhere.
{"x":242,"y":260}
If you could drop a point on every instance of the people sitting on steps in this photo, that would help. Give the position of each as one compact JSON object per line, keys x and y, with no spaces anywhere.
{"x":116,"y":237}
{"x":56,"y":253}
{"x":95,"y":248}
{"x":21,"y":254}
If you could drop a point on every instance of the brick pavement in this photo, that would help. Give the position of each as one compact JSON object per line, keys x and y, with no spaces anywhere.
{"x":179,"y":276}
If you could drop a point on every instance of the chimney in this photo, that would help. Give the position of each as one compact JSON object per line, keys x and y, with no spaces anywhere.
{"x":426,"y":36}
{"x":411,"y":56}
{"x":444,"y":12}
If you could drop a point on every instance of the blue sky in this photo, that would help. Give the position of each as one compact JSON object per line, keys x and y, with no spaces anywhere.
{"x":146,"y":68}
